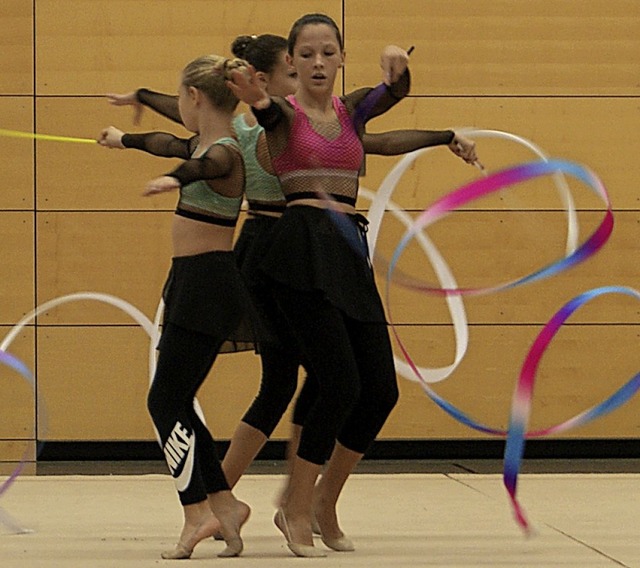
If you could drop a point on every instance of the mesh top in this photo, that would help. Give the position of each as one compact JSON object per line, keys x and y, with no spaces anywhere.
{"x":211,"y":180}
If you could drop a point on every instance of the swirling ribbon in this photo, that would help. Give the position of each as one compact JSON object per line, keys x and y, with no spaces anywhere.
{"x":17,"y":365}
{"x":381,"y":202}
{"x":516,"y":433}
{"x":523,"y":394}
{"x":473,"y":191}
{"x":491,"y":184}
{"x":20,"y":367}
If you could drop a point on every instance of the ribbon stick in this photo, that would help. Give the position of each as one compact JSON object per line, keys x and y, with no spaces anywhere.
{"x":48,"y":137}
{"x":523,"y":394}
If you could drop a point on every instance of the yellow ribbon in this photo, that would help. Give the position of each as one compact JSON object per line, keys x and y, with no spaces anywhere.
{"x":34,"y":136}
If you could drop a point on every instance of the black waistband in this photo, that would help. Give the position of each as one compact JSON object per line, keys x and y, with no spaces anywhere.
{"x":317,"y":195}
{"x":206,"y":218}
{"x":269,"y":207}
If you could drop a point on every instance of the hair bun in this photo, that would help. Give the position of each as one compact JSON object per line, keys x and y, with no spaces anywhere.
{"x":240,"y":45}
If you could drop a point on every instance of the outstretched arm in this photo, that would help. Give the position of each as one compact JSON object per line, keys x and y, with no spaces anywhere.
{"x":398,"y":142}
{"x":166,"y":105}
{"x":216,"y":163}
{"x":156,"y":143}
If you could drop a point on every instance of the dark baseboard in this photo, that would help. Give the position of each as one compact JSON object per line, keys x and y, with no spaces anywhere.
{"x":381,"y":450}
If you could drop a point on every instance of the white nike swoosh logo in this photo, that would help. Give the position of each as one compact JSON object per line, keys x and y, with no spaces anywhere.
{"x":183,"y":480}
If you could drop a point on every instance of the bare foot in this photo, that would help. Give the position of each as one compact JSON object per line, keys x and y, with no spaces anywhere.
{"x":191,"y":535}
{"x":232,"y":519}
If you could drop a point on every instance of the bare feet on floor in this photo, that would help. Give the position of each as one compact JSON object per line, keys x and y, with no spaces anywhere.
{"x":191,"y":535}
{"x":232,"y":520}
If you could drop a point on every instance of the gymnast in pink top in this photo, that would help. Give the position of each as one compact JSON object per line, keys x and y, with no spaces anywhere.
{"x":308,"y":154}
{"x":318,"y":270}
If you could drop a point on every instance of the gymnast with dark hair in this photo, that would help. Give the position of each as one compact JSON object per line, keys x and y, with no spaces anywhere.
{"x":320,"y":277}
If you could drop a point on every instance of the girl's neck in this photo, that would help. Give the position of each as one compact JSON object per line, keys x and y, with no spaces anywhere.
{"x":213,"y":125}
{"x":321,"y":103}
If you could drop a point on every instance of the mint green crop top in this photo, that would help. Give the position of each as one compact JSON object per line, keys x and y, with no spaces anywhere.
{"x":198,"y":201}
{"x":262,"y":189}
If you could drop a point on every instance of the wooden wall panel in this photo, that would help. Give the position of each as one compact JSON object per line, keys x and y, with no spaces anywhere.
{"x":123,"y":254}
{"x":90,"y":48}
{"x":562,"y":74}
{"x":18,"y":401}
{"x":584,"y":130}
{"x":13,"y":452}
{"x":572,"y":378}
{"x":17,"y":250}
{"x":16,"y":113}
{"x":16,"y":47}
{"x":488,"y":47}
{"x":83,"y":176}
{"x":583,"y":366}
{"x":93,"y":381}
{"x":485,"y":249}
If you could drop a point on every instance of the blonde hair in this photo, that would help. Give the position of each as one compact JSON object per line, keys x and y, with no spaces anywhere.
{"x":209,"y":74}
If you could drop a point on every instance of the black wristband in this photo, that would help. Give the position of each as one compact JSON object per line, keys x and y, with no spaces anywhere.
{"x":403,"y":84}
{"x":268,"y":117}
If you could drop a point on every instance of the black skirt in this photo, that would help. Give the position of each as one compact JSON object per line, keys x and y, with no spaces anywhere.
{"x":316,"y":249}
{"x":251,"y":247}
{"x":206,"y":293}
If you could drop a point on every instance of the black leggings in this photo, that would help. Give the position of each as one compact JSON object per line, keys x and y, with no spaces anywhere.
{"x":352,"y":363}
{"x":277,"y":387}
{"x":184,"y":360}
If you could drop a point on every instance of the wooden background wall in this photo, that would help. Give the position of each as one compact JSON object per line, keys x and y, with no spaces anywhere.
{"x":562,"y":73}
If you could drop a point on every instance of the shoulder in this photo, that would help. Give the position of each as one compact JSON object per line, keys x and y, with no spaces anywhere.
{"x":225,"y":152}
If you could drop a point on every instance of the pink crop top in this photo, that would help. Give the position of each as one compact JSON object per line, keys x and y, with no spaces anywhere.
{"x":308,"y":150}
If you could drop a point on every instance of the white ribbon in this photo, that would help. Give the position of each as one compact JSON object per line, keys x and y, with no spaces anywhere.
{"x":381,"y":202}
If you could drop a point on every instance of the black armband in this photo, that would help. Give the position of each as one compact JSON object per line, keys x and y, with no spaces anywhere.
{"x":268,"y":117}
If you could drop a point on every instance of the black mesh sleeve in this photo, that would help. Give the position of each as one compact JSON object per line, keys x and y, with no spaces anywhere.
{"x":166,"y":105}
{"x":161,"y":144}
{"x":217,"y":162}
{"x":404,"y":141}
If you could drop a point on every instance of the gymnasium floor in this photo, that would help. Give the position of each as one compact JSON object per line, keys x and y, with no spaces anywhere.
{"x":399,"y":514}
